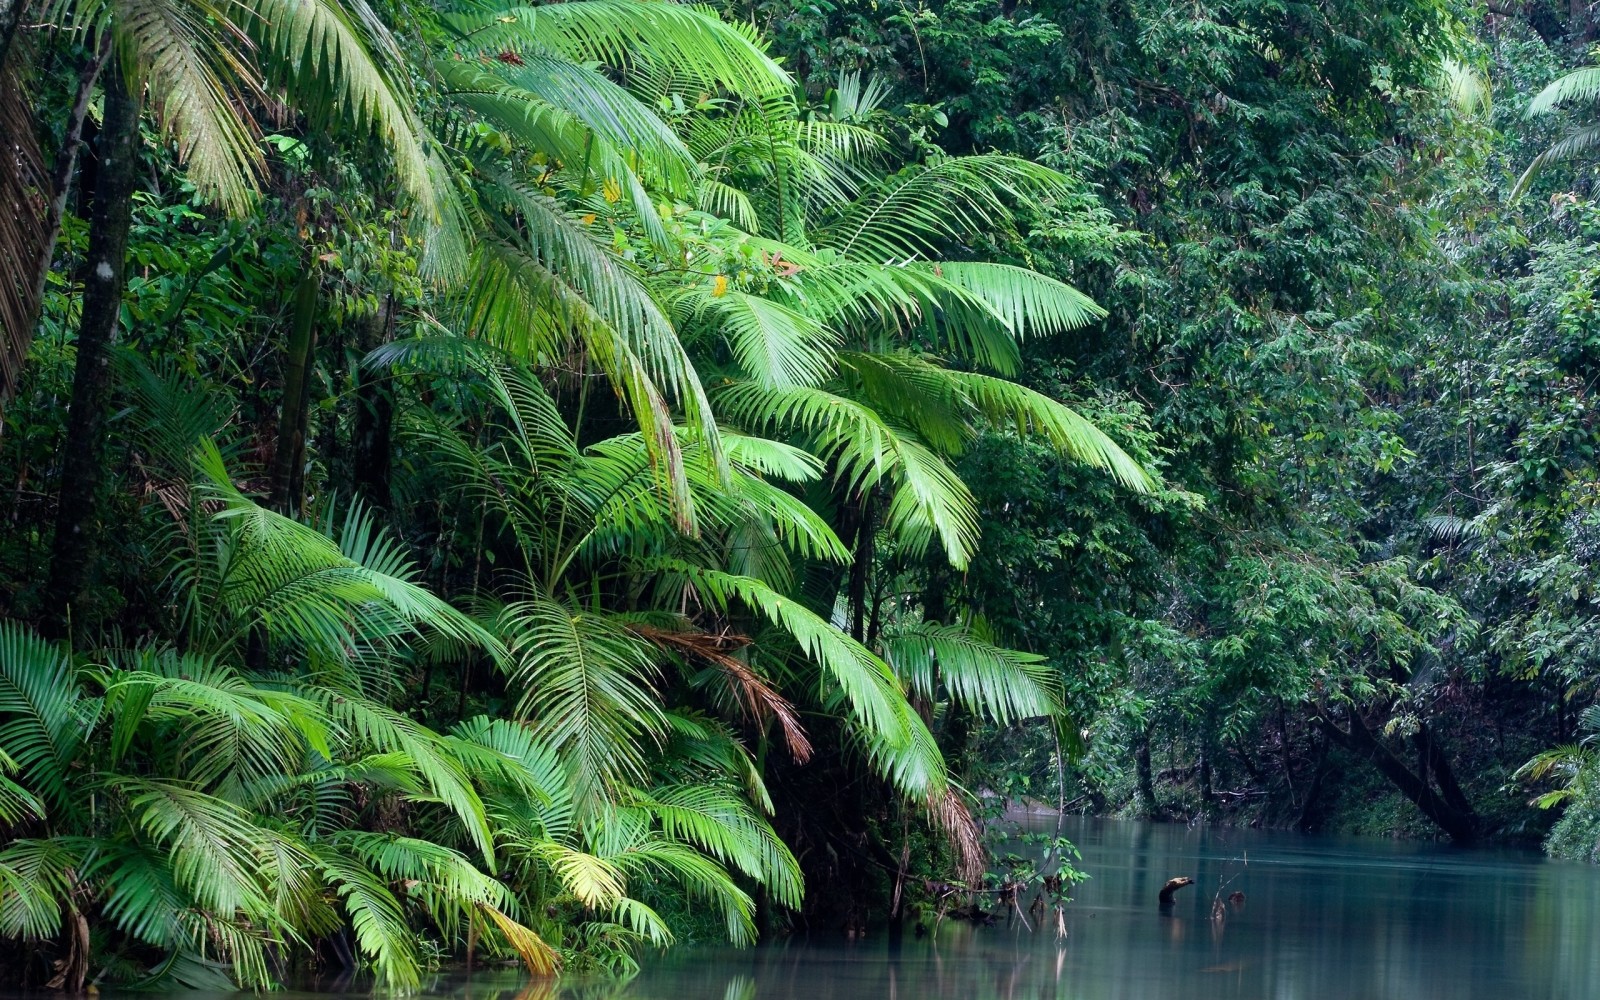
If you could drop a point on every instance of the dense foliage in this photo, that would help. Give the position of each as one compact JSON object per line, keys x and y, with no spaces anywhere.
{"x":537,"y":482}
{"x":1344,"y":256}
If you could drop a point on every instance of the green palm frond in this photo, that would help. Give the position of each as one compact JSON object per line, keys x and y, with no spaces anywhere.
{"x":197,"y":74}
{"x":615,"y":477}
{"x":386,"y":731}
{"x":216,"y":724}
{"x":588,"y":685}
{"x":513,"y":296}
{"x":915,"y":768}
{"x":1005,"y":685}
{"x":705,"y":881}
{"x":1581,"y":86}
{"x":41,"y":713}
{"x":698,"y":45}
{"x":592,"y":880}
{"x":337,"y":63}
{"x":36,"y":879}
{"x":870,"y":692}
{"x":210,"y":844}
{"x":1580,"y":140}
{"x":773,"y":343}
{"x":718,"y":821}
{"x":540,"y":98}
{"x":909,"y":214}
{"x":1589,"y":720}
{"x":1030,"y":303}
{"x":929,"y":500}
{"x":17,"y":804}
{"x":294,"y":581}
{"x":521,"y":760}
{"x":376,"y":916}
{"x":1067,"y":431}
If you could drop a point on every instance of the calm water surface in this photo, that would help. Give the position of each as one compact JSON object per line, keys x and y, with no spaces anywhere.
{"x":1324,"y":919}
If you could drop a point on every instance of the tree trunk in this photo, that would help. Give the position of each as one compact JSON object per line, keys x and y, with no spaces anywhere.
{"x":110,"y":216}
{"x":1145,"y":775}
{"x":861,"y":565}
{"x":1444,"y":775}
{"x":1460,"y":825}
{"x":1311,"y":810}
{"x":374,"y":415}
{"x":288,"y":460}
{"x":66,"y":163}
{"x":10,"y":20}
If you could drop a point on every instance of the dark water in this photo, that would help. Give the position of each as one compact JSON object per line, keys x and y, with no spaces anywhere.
{"x":1323,"y":919}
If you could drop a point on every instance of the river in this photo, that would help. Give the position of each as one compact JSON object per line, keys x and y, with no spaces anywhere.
{"x":1322,"y":919}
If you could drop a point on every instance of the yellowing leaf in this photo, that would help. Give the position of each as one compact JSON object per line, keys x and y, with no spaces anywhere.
{"x":719,"y":286}
{"x":612,"y":190}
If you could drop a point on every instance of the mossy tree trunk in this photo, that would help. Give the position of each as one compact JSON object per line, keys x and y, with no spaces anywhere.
{"x":110,"y":217}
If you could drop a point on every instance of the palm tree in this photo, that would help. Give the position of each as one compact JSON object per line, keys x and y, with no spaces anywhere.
{"x":189,"y":806}
{"x":197,"y":71}
{"x":1576,"y":766}
{"x":523,"y":69}
{"x":1580,"y":87}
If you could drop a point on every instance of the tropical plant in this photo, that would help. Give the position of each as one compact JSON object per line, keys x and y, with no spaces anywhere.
{"x":1580,"y":88}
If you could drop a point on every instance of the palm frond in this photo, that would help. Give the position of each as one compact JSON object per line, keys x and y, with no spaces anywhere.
{"x":929,"y":501}
{"x":717,"y":820}
{"x":621,"y":33}
{"x":41,"y":723}
{"x":909,"y":214}
{"x":35,"y":881}
{"x":197,"y":76}
{"x":587,"y":683}
{"x":1005,"y":685}
{"x":338,"y":64}
{"x":866,"y":683}
{"x":773,"y":343}
{"x":1067,"y":431}
{"x":1581,"y":86}
{"x":376,"y":916}
{"x":1030,"y":303}
{"x":1580,"y":140}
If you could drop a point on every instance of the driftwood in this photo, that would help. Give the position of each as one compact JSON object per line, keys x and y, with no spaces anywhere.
{"x":1172,"y":886}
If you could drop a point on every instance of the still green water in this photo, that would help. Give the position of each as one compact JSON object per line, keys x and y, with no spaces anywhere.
{"x":1323,"y":919}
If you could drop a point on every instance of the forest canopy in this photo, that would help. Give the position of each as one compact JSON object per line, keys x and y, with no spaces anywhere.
{"x":542,"y":482}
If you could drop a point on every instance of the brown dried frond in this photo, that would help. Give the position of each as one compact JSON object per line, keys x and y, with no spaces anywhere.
{"x":23,"y":196}
{"x":950,"y":815}
{"x":759,"y":701}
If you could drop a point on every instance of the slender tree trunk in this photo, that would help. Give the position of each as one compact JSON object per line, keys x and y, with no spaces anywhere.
{"x":110,"y":217}
{"x":67,"y":162}
{"x":10,"y":20}
{"x":288,"y":461}
{"x":1310,"y":809}
{"x":374,"y":415}
{"x":861,"y":566}
{"x":1145,"y":775}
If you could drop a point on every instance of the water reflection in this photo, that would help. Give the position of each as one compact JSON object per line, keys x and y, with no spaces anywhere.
{"x":1321,"y":919}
